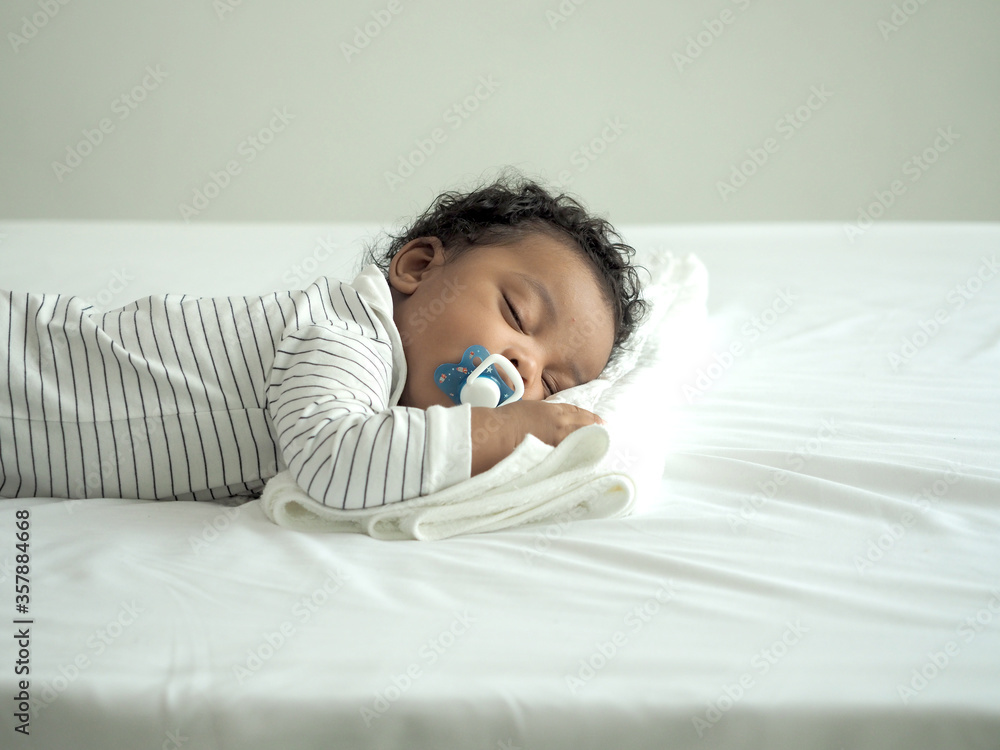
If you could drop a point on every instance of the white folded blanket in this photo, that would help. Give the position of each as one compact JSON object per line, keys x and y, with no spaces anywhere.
{"x":596,"y":472}
{"x":536,"y":482}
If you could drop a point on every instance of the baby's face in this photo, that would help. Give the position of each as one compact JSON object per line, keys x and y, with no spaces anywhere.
{"x":535,"y":301}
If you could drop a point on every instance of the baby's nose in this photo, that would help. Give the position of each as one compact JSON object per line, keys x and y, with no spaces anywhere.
{"x":526,"y":366}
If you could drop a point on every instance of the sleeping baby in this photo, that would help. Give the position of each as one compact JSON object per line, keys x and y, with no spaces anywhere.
{"x":429,"y":368}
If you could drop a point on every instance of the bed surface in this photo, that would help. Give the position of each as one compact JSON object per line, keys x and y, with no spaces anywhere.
{"x":821,"y":568}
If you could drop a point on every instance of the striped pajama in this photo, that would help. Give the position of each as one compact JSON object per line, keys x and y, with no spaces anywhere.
{"x":176,"y":397}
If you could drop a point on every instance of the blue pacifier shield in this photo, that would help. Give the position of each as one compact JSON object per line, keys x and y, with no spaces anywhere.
{"x":451,"y":378}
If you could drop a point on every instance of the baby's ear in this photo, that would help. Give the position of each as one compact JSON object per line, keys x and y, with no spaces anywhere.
{"x":413,"y":261}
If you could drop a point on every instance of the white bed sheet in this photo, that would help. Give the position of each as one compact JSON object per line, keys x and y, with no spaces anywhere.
{"x":822,"y":569}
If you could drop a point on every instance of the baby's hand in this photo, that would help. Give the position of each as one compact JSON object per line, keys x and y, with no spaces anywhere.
{"x":549,"y":422}
{"x":497,"y":432}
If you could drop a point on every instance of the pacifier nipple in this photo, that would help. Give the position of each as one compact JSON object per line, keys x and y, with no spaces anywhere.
{"x":482,"y":385}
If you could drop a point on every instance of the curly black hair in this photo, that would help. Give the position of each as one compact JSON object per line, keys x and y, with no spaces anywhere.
{"x":512,"y":207}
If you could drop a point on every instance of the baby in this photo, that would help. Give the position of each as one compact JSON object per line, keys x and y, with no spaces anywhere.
{"x":174,"y":397}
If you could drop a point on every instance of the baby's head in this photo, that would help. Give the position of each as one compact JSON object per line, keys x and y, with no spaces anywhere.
{"x":522,"y":273}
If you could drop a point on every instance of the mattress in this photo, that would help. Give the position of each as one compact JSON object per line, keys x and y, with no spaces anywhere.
{"x":820,"y":567}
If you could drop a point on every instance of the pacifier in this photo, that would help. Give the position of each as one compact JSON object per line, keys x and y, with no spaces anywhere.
{"x":465,"y":383}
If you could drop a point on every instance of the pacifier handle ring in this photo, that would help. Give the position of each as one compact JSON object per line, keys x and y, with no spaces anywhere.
{"x":505,"y":364}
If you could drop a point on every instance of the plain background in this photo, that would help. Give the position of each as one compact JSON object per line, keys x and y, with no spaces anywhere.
{"x":725,"y":110}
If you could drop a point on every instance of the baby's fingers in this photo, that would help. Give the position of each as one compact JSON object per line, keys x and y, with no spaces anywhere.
{"x":572,"y":418}
{"x":587,"y":417}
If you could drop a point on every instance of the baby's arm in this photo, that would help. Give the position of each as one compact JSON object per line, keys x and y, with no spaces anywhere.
{"x":497,"y":432}
{"x":328,"y":397}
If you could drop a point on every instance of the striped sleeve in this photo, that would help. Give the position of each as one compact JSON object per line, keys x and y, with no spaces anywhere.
{"x":328,"y":397}
{"x":159,"y":399}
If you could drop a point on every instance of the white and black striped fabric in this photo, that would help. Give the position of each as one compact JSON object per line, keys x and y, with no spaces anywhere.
{"x":176,"y":397}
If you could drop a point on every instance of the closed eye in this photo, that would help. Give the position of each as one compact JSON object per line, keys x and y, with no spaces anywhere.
{"x":549,"y":387}
{"x":513,"y":313}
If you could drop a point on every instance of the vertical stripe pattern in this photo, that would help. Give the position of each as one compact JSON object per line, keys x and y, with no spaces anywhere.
{"x":176,"y":397}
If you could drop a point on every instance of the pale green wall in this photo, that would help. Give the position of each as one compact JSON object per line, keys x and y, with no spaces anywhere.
{"x":546,"y":79}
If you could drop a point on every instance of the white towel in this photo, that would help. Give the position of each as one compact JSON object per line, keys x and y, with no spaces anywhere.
{"x":536,"y":482}
{"x":596,"y":472}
